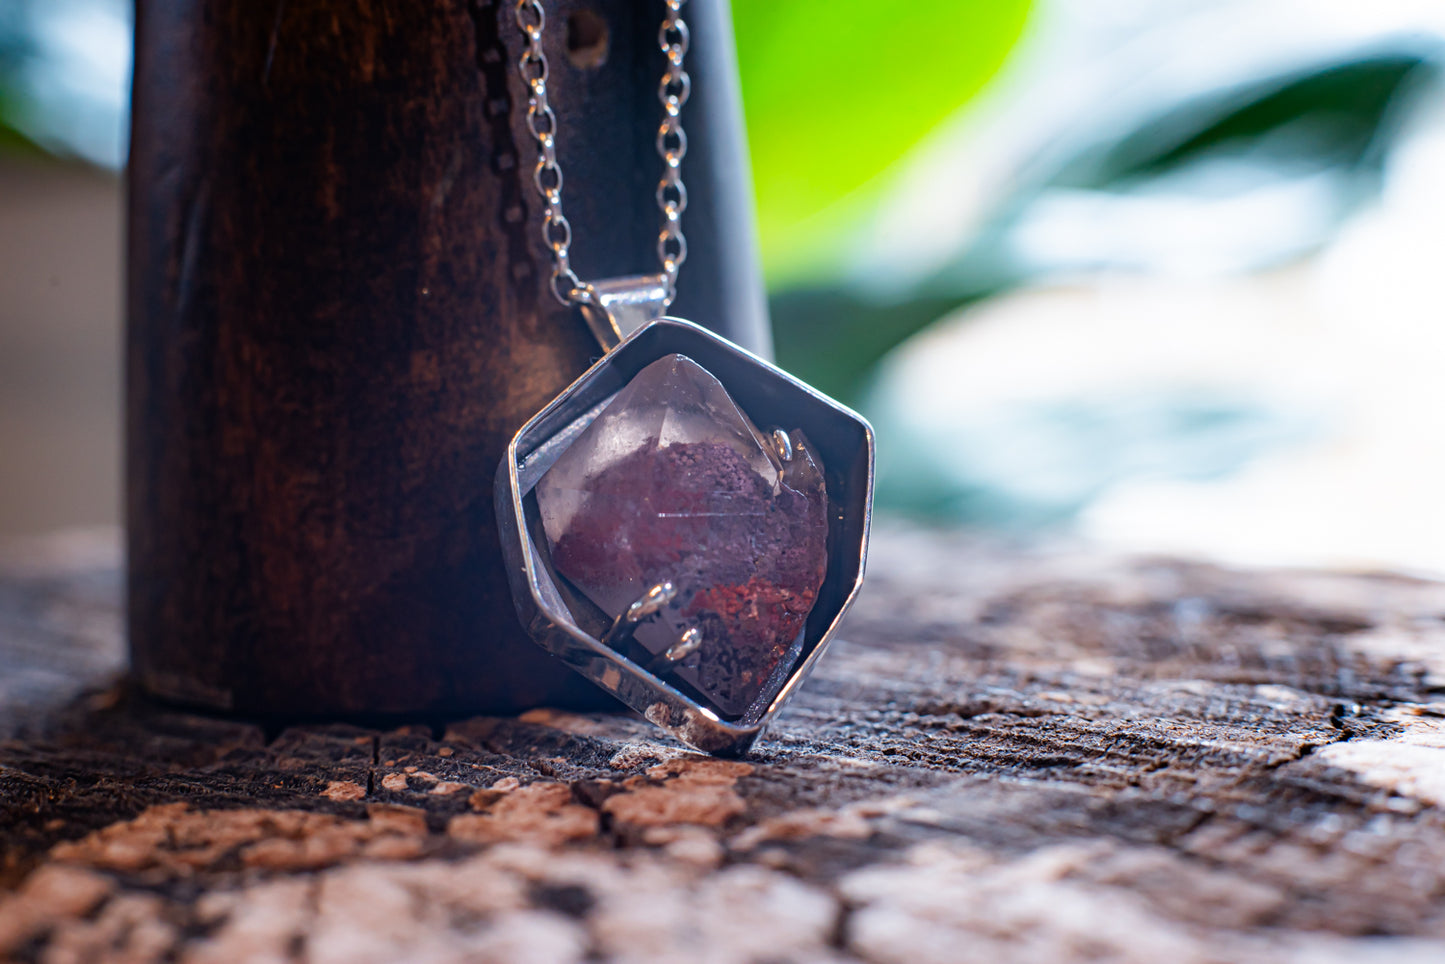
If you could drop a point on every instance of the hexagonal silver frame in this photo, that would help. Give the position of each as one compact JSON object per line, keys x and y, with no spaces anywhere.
{"x":843,"y":442}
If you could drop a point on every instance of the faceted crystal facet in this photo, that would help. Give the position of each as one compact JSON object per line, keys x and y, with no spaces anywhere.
{"x":672,"y":482}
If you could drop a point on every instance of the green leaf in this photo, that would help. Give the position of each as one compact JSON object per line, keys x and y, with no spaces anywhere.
{"x":1333,"y":114}
{"x":1341,"y":114}
{"x":837,"y":90}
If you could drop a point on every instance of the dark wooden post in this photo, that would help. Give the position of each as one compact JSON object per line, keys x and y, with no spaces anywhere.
{"x":338,"y":315}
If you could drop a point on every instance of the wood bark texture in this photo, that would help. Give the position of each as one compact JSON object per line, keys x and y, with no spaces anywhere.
{"x":1009,"y":756}
{"x":338,"y":315}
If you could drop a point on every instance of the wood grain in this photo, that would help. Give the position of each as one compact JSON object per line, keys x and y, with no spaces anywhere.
{"x":1011,"y":755}
{"x":338,"y":316}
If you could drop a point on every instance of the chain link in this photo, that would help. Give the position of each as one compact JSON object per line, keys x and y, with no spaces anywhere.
{"x":672,"y":92}
{"x":546,"y":175}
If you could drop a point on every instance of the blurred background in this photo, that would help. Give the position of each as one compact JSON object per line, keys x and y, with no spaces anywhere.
{"x":1161,"y":275}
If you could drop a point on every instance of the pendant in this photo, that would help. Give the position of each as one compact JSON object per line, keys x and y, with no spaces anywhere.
{"x":685,"y":524}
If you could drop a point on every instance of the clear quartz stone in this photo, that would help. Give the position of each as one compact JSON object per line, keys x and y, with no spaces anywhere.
{"x":672,"y":482}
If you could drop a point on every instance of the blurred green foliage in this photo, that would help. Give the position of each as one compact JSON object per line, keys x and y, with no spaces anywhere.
{"x":1333,"y":115}
{"x":837,"y":90}
{"x":15,"y":47}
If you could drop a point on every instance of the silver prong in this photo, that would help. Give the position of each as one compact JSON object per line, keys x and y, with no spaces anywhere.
{"x":782,"y":445}
{"x":652,"y":602}
{"x":690,"y":643}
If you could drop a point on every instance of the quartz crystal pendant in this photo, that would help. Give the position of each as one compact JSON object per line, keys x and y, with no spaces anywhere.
{"x":685,"y":525}
{"x":673,"y":484}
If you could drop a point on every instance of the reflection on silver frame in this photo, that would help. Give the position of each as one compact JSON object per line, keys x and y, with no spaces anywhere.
{"x":844,"y":443}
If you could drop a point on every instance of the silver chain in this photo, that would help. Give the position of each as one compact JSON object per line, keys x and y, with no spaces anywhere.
{"x":672,"y":91}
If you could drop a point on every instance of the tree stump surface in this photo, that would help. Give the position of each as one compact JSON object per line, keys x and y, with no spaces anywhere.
{"x":1011,"y":755}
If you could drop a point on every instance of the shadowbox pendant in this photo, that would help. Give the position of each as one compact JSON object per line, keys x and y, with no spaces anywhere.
{"x":686,"y":523}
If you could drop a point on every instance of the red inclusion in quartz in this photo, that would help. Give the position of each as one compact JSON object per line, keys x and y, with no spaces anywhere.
{"x":743,"y":538}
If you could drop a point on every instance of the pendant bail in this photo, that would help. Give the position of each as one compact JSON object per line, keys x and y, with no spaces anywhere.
{"x":616,"y":307}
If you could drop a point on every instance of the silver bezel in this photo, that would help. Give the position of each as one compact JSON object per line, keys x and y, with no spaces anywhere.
{"x":843,"y":441}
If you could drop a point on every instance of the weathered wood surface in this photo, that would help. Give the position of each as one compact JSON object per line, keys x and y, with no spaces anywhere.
{"x":1010,"y":757}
